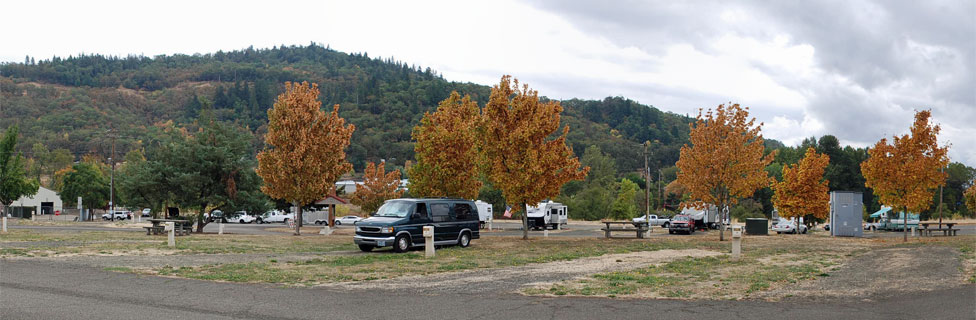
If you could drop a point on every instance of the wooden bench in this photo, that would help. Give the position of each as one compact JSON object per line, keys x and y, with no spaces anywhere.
{"x":639,"y":227}
{"x":154,"y":230}
{"x":947,"y":231}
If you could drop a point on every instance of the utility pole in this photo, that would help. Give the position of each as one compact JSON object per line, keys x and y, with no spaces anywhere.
{"x":111,"y":191}
{"x":660,"y":188}
{"x":940,"y":201}
{"x":647,"y":186}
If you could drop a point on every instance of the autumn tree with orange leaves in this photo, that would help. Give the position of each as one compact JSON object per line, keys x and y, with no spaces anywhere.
{"x":519,"y":157}
{"x":447,"y":159}
{"x":304,"y":156}
{"x":725,"y":161}
{"x":905,"y":174}
{"x":378,"y":186}
{"x":804,"y":190}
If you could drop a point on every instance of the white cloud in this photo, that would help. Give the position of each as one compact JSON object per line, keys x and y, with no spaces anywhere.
{"x":855,"y":70}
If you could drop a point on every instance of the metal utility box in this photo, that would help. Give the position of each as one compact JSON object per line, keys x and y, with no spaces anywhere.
{"x":846,"y":217}
{"x":757,"y":226}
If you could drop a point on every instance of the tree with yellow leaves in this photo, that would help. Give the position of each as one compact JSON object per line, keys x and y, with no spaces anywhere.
{"x":905,"y":174}
{"x":804,"y":190}
{"x":378,"y":186}
{"x":304,"y":155}
{"x":447,"y":159}
{"x":725,"y":161}
{"x":519,"y":157}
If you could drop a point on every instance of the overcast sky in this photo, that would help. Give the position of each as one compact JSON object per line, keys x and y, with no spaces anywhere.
{"x":855,"y":69}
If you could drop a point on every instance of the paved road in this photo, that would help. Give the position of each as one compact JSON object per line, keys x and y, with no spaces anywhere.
{"x":48,"y":290}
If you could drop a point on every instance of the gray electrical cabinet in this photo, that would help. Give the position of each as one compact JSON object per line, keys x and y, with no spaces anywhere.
{"x":846,"y":214}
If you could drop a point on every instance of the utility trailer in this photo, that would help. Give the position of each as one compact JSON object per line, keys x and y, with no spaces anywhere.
{"x":546,"y":215}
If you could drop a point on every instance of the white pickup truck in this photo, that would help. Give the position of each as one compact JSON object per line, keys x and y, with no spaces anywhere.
{"x":664,"y":222}
{"x":276,"y":216}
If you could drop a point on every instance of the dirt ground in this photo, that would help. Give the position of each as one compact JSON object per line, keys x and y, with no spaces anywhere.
{"x":511,"y":278}
{"x":883,"y":272}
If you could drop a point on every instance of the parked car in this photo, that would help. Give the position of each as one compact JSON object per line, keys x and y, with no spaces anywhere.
{"x":242,"y":217}
{"x":788,"y":226}
{"x":681,"y":223}
{"x":350,"y":220}
{"x":871,"y":226}
{"x":146,"y":212}
{"x":276,"y":216}
{"x":215,"y":216}
{"x":664,"y":222}
{"x":117,"y":215}
{"x":399,"y":223}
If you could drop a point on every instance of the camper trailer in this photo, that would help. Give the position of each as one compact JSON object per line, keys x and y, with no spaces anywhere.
{"x":547,"y":214}
{"x":484,"y":212}
{"x":704,"y":218}
{"x":888,"y":220}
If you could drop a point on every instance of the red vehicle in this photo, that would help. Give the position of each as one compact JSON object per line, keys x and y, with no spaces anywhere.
{"x":682,"y":223}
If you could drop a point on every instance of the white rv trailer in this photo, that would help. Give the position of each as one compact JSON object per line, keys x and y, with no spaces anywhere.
{"x":484,"y":213}
{"x":547,"y":214}
{"x":705,"y":218}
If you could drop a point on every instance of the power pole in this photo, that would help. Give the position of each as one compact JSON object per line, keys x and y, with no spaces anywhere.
{"x":660,"y":188}
{"x":111,"y":192}
{"x":647,"y":187}
{"x":940,"y":201}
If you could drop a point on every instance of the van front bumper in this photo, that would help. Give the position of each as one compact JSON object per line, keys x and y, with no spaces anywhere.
{"x":374,"y":241}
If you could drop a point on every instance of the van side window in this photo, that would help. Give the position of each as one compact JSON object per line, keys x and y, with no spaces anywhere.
{"x":463,"y":212}
{"x":440,"y":212}
{"x":422,"y":211}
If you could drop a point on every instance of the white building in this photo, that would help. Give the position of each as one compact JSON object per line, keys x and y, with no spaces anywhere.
{"x":45,"y":201}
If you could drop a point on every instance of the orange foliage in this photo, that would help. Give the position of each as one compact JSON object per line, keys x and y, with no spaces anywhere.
{"x":447,"y":162}
{"x":905,"y":174}
{"x":804,"y":190}
{"x":971,"y":197}
{"x":377,"y":187}
{"x":304,"y":155}
{"x":725,"y":162}
{"x":518,"y":156}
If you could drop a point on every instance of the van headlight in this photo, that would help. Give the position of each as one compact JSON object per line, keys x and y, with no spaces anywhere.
{"x":386,"y":230}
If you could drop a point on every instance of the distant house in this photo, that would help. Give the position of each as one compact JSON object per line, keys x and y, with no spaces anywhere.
{"x":45,"y":201}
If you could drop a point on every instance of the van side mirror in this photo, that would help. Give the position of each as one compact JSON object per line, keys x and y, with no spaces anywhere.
{"x":415,"y":215}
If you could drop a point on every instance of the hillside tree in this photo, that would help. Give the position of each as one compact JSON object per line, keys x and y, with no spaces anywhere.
{"x":624,"y":207}
{"x":520,"y":159}
{"x":725,"y":161}
{"x":804,"y":191}
{"x":971,"y":197}
{"x":304,"y":156}
{"x":905,"y":173}
{"x":14,"y":182}
{"x":378,"y":186}
{"x":447,"y":159}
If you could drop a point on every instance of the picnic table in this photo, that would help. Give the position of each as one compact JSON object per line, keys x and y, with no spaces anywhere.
{"x":639,"y":227}
{"x":182,"y":227}
{"x":947,"y":231}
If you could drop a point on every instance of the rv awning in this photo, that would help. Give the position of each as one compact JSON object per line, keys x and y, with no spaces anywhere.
{"x":880,"y":212}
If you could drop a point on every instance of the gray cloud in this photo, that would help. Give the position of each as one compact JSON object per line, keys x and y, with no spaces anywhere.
{"x":881,"y":60}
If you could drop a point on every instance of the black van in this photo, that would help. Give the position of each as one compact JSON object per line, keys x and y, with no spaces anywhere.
{"x":399,"y":223}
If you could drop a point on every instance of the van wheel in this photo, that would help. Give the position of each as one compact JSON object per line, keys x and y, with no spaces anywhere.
{"x":401,"y":244}
{"x":241,"y":222}
{"x":465,"y":240}
{"x":666,"y":225}
{"x":670,"y":231}
{"x":366,"y":247}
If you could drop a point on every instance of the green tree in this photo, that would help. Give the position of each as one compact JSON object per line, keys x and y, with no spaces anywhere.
{"x":13,"y":175}
{"x":623,"y":207}
{"x":86,"y":181}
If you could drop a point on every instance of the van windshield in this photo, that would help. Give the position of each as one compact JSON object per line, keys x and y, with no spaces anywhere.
{"x":400,"y":209}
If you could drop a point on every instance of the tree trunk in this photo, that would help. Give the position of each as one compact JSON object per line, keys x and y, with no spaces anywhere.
{"x":201,"y":222}
{"x":332,"y":216}
{"x":525,"y":222}
{"x":721,"y":221}
{"x":298,"y":219}
{"x":904,"y":227}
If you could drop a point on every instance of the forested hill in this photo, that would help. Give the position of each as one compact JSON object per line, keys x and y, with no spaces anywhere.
{"x":72,"y":102}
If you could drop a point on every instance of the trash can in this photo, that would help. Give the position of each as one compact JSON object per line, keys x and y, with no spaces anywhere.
{"x":757,"y":226}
